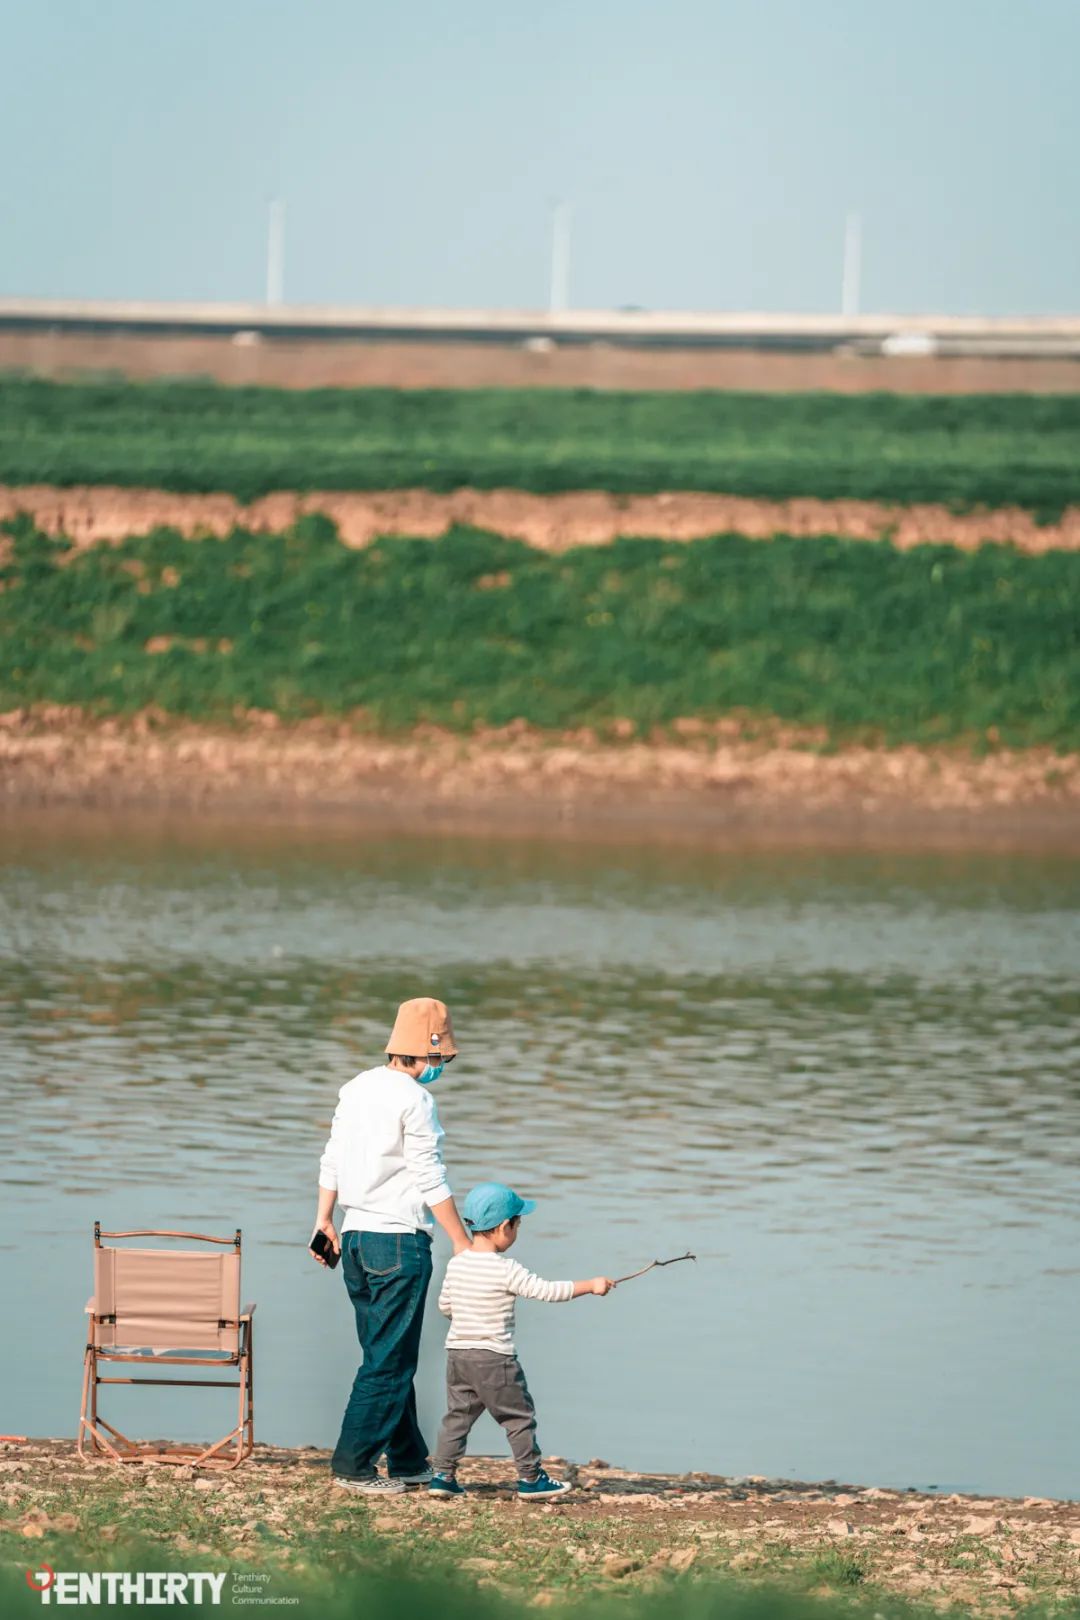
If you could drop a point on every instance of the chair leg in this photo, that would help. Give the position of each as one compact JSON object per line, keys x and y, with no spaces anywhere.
{"x":91,"y":1423}
{"x":94,"y":1401}
{"x":241,"y":1419}
{"x":245,"y":1417}
{"x":250,"y":1390}
{"x":80,"y":1444}
{"x":241,"y":1423}
{"x":93,"y":1441}
{"x":242,"y":1437}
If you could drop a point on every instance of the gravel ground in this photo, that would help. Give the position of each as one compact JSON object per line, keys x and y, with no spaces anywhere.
{"x":280,"y":1513}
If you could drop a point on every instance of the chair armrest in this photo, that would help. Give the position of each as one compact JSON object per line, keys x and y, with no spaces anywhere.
{"x":247,"y":1313}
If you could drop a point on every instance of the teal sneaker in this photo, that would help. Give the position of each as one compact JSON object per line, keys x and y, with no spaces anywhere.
{"x":445,"y":1485}
{"x":542,"y":1488}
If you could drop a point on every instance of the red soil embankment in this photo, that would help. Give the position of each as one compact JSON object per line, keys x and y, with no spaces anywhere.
{"x":91,"y":513}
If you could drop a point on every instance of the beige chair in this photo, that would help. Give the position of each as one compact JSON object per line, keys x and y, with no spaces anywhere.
{"x":167,"y":1308}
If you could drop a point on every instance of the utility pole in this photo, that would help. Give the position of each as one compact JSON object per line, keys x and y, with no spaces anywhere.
{"x":849,"y":284}
{"x":559,"y":287}
{"x":275,"y":253}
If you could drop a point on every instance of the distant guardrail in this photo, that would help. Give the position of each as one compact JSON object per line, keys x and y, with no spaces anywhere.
{"x":1020,"y":337}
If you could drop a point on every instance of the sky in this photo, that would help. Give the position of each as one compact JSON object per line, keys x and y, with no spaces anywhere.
{"x":708,"y":150}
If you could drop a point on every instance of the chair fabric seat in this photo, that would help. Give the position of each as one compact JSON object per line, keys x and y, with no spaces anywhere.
{"x":168,"y":1300}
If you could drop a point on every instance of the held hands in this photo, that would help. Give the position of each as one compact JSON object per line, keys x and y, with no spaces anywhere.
{"x":327,"y":1228}
{"x":601,"y":1285}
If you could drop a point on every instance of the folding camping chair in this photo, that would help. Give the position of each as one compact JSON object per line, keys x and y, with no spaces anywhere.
{"x":166,"y":1308}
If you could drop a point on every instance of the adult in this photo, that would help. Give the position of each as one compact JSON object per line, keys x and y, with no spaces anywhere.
{"x":383,"y":1164}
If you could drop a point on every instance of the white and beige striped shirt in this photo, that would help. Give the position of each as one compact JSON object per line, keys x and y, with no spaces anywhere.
{"x":478,"y":1294}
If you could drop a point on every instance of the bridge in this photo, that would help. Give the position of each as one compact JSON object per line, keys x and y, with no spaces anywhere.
{"x":913,"y":336}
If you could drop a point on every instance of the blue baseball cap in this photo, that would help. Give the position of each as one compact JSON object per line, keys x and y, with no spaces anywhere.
{"x":492,"y":1203}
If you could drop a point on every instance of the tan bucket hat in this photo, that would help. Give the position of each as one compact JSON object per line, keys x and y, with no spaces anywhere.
{"x":422,"y":1028}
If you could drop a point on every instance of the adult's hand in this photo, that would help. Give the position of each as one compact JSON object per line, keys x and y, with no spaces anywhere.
{"x":326,"y":1227}
{"x":446,"y":1213}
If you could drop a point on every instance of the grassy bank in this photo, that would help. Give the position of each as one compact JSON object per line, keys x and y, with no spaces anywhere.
{"x":395,"y":1592}
{"x":850,"y":638}
{"x":641,"y":1547}
{"x":961,"y":450}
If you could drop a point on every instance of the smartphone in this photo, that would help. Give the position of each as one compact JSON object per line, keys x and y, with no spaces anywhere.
{"x":322,"y":1246}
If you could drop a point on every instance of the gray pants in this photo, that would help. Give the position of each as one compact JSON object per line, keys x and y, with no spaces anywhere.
{"x":484,"y":1381}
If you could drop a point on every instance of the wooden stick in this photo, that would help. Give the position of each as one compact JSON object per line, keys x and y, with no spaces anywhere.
{"x":673,"y":1262}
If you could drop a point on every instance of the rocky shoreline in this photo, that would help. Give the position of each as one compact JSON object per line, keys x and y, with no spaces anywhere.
{"x":987,"y":1554}
{"x":707,"y":781}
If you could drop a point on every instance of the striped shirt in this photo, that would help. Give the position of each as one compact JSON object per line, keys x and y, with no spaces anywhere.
{"x":478,"y":1294}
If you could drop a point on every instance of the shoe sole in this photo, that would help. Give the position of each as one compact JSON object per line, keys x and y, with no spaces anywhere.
{"x":360,"y":1490}
{"x":448,"y":1496}
{"x":542,"y":1496}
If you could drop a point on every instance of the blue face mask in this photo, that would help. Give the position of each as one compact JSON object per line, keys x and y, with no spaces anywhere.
{"x":430,"y":1073}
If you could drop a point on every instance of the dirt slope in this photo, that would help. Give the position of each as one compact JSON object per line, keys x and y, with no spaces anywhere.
{"x":704,"y":781}
{"x":88,"y":514}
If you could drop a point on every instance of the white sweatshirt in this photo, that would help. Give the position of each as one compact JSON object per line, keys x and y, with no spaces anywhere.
{"x":383,"y":1158}
{"x":478,"y":1294}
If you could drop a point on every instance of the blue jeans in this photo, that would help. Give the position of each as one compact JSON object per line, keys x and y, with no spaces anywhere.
{"x":387,"y":1275}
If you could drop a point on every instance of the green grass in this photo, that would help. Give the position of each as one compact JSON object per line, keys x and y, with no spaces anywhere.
{"x":396,"y":1594}
{"x":834,"y":1567}
{"x":490,"y":1559}
{"x":962,"y":450}
{"x":857,"y":638}
{"x":362,"y":1576}
{"x":854,"y":637}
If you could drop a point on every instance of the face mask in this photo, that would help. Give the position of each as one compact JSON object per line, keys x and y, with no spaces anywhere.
{"x":430,"y":1073}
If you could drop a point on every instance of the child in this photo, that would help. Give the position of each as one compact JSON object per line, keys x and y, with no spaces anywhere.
{"x":482,"y":1371}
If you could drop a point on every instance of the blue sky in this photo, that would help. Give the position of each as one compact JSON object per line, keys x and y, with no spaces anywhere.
{"x":709,"y":150}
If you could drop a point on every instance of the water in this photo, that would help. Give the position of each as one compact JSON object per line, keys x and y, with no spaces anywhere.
{"x":848,"y":1082}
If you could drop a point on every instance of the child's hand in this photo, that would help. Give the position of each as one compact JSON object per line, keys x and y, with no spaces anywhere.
{"x":602,"y":1285}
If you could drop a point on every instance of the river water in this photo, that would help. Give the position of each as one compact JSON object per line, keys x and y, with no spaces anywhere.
{"x":848,"y":1082}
